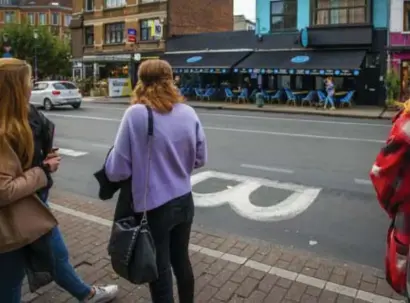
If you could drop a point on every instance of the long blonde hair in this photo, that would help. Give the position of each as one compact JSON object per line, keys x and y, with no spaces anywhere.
{"x":15,"y":88}
{"x":156,"y":87}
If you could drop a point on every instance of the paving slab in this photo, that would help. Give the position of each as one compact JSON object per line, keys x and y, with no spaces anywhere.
{"x":227,"y":268}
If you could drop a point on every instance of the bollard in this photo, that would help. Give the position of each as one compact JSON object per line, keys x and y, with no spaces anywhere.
{"x":260,"y":101}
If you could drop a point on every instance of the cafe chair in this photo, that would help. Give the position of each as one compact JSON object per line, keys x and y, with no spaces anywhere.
{"x":291,"y":98}
{"x":347,"y":99}
{"x":243,"y":95}
{"x":198,"y":94}
{"x":228,"y":95}
{"x":309,"y":99}
{"x":276,"y":97}
{"x":208,"y":93}
{"x":322,"y":97}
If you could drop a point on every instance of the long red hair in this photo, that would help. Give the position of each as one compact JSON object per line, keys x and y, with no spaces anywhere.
{"x":15,"y":89}
{"x":156,"y":87}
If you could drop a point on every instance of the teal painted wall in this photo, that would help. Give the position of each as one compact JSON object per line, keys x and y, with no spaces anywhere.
{"x":380,"y":13}
{"x":262,"y":17}
{"x":303,"y":16}
{"x":380,"y":9}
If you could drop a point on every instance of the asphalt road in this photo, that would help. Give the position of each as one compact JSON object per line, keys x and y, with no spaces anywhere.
{"x":330,"y":155}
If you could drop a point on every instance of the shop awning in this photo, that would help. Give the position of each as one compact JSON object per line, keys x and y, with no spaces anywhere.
{"x":205,"y":62}
{"x":331,"y":63}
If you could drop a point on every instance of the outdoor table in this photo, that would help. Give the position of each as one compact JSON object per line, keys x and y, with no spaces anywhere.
{"x":340,"y":93}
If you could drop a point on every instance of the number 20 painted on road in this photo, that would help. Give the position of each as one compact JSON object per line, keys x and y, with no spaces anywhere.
{"x":238,"y":197}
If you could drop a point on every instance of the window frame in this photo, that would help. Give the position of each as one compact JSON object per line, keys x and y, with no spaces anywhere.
{"x":118,"y":4}
{"x":143,"y":30}
{"x":406,"y":29}
{"x":33,"y":15}
{"x":89,"y":32}
{"x":116,"y":31}
{"x":314,"y":11}
{"x":39,"y":18}
{"x":13,"y":17}
{"x":89,"y":5}
{"x":57,"y":15}
{"x":69,"y":18}
{"x":293,"y":13}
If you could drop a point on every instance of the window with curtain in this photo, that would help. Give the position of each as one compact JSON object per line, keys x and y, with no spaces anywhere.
{"x":89,"y":35}
{"x":30,"y":18}
{"x":42,"y":18}
{"x":283,"y":14}
{"x":328,"y":12}
{"x":115,"y":33}
{"x":147,"y":30}
{"x":10,"y":17}
{"x":115,"y":3}
{"x":55,"y":19}
{"x":406,"y":16}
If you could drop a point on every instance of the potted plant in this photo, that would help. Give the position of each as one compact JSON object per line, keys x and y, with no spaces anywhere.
{"x":393,"y":88}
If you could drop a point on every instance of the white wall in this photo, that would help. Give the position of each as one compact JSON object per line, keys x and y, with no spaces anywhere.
{"x":396,"y":16}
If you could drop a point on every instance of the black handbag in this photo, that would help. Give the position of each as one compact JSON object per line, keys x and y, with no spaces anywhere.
{"x":131,"y":246}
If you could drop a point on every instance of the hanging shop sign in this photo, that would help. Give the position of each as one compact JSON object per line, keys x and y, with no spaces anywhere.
{"x":132,"y":35}
{"x":119,"y":87}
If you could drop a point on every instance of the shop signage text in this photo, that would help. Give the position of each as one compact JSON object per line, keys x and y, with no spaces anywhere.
{"x":132,"y":35}
{"x":200,"y":70}
{"x":119,"y":87}
{"x":312,"y":72}
{"x":107,"y":58}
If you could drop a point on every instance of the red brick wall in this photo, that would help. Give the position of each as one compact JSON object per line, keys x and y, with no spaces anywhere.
{"x":199,"y":16}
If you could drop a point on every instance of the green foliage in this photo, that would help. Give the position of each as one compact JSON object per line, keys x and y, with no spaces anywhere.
{"x":393,"y":86}
{"x":53,"y":53}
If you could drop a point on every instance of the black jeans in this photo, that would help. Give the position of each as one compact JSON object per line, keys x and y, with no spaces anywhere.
{"x":170,"y":226}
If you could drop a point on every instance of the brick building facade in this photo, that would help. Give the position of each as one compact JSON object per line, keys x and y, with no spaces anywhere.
{"x":99,"y":27}
{"x":54,"y":14}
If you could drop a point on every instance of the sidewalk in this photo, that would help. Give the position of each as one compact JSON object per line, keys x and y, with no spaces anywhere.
{"x":227,"y":268}
{"x":365,"y":112}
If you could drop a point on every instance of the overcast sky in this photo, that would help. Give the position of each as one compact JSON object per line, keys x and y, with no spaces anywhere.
{"x":245,"y":7}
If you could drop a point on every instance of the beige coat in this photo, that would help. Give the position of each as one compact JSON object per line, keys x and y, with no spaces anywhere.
{"x":23,"y":217}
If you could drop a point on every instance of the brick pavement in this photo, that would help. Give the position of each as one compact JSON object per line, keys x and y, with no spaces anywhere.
{"x":227,"y":268}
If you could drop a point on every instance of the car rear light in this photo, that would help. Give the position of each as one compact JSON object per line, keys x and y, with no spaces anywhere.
{"x":56,"y":92}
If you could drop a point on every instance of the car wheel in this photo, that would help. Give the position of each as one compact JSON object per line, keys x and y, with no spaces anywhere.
{"x":76,"y":106}
{"x":48,"y":105}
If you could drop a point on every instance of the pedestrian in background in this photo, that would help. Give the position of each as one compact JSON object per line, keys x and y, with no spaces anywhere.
{"x":178,"y":147}
{"x":25,"y":175}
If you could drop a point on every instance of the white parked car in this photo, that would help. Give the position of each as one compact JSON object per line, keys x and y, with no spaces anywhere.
{"x":50,"y":94}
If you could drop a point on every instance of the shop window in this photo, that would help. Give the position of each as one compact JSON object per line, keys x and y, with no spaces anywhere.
{"x":114,"y":33}
{"x":147,"y":30}
{"x":283,"y":14}
{"x":89,"y":5}
{"x":115,"y":3}
{"x":406,"y":16}
{"x":30,"y":18}
{"x":283,"y":82}
{"x":328,"y":12}
{"x":55,"y":19}
{"x":67,"y":20}
{"x":89,"y":35}
{"x":42,"y":18}
{"x":10,"y":17}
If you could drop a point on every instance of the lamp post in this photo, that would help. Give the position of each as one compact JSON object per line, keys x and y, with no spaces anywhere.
{"x":35,"y":36}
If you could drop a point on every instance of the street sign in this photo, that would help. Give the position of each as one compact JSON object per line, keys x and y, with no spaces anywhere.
{"x":238,"y":197}
{"x":132,"y":35}
{"x":137,"y":57}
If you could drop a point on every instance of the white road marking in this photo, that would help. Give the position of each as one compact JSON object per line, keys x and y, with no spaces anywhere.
{"x":282,"y":273}
{"x":266,"y":118}
{"x":266,"y":168}
{"x":250,"y":131}
{"x":362,"y":181}
{"x":238,"y":197}
{"x":71,"y":153}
